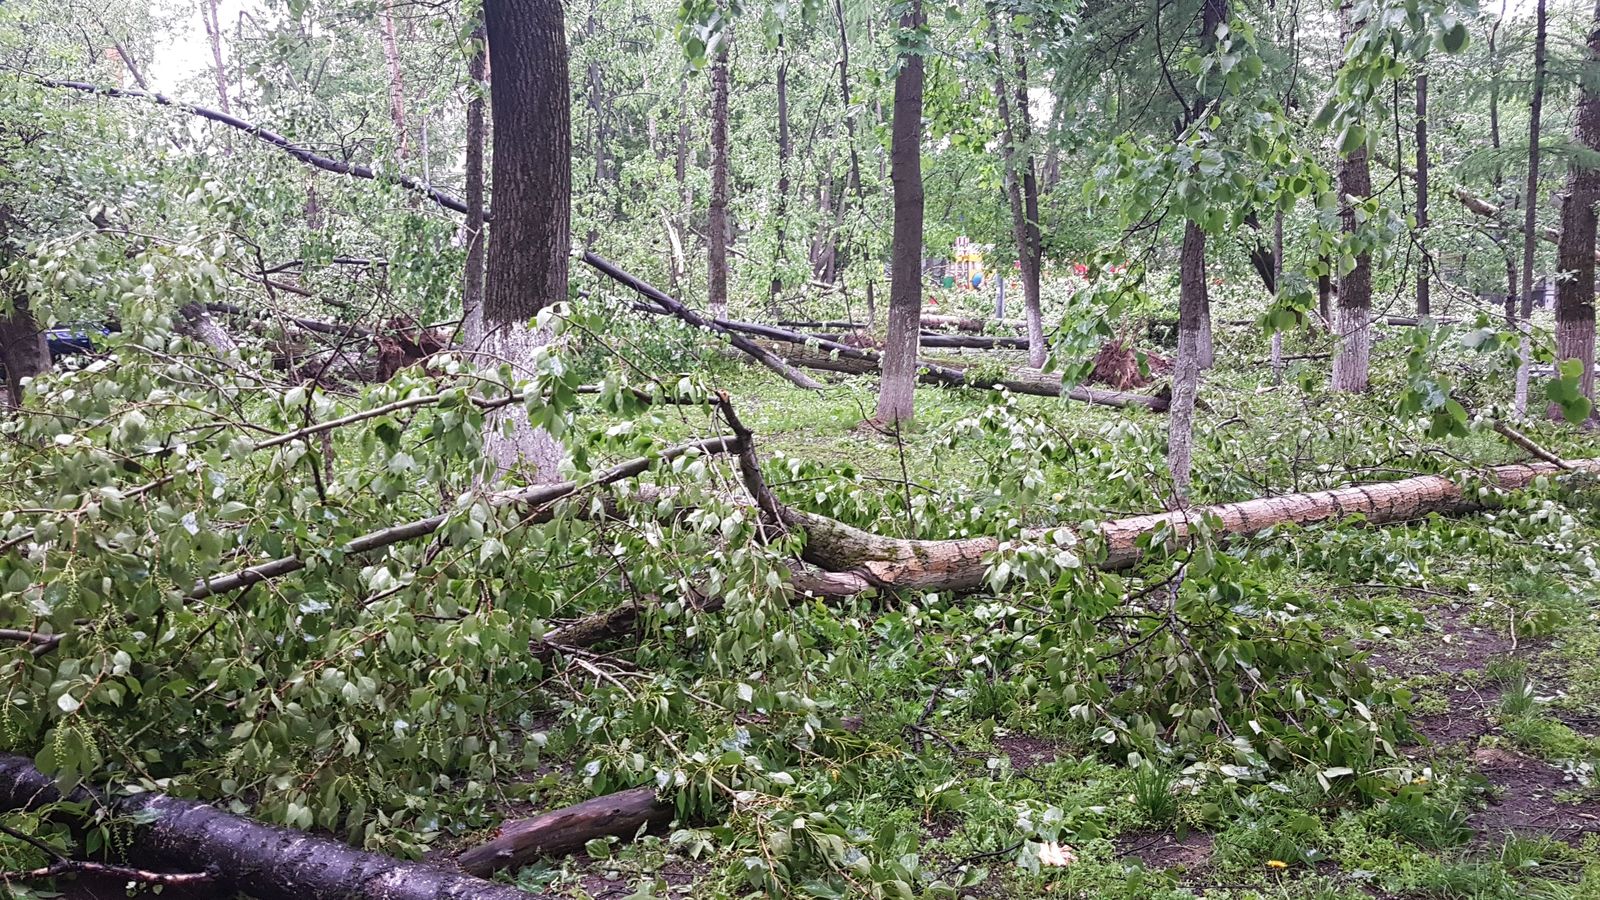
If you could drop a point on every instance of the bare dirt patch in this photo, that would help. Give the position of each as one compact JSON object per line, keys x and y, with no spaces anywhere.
{"x":1026,"y":751}
{"x":1165,"y":850}
{"x":1527,"y":800}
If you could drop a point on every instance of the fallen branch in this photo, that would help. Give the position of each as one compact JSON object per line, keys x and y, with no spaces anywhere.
{"x":535,"y":496}
{"x":264,"y":861}
{"x":1527,"y":443}
{"x":563,"y":831}
{"x":675,"y":307}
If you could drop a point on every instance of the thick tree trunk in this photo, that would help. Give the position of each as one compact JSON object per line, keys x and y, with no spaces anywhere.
{"x":1530,"y":201}
{"x":566,"y":831}
{"x":1424,"y":306}
{"x":472,"y":275}
{"x":23,"y":349}
{"x":1351,"y":318}
{"x":717,"y":215}
{"x":1186,"y":367}
{"x":896,"y":388}
{"x":263,"y":861}
{"x":530,"y":240}
{"x":1575,"y":318}
{"x":397,"y":83}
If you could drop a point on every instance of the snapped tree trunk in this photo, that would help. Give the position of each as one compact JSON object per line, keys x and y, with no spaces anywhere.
{"x":896,"y":388}
{"x":717,"y":215}
{"x":195,"y":322}
{"x":1186,"y":367}
{"x":566,"y":831}
{"x":1575,"y":319}
{"x":530,"y":240}
{"x":264,"y":861}
{"x":1530,"y":201}
{"x":1424,"y":306}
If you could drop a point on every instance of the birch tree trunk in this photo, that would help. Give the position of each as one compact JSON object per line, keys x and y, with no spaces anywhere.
{"x":530,"y":241}
{"x":897,"y":387}
{"x":1530,"y":202}
{"x":1575,"y":319}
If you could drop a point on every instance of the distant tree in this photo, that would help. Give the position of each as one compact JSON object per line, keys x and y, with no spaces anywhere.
{"x":1575,"y":320}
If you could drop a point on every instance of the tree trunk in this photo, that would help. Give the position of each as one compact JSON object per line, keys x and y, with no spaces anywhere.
{"x":784,"y":152}
{"x":397,"y":84}
{"x":1351,"y":320}
{"x":566,"y":831}
{"x":208,"y":13}
{"x":717,"y":216}
{"x":264,"y":861}
{"x":196,"y":323}
{"x":1021,"y":185}
{"x":1575,"y":318}
{"x":1186,"y":367}
{"x":472,"y":277}
{"x":23,"y":349}
{"x":1424,"y":277}
{"x":896,"y":388}
{"x":530,"y":240}
{"x":1277,"y":290}
{"x":1530,"y":201}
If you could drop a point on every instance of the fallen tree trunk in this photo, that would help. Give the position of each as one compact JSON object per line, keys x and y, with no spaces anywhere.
{"x":853,"y":361}
{"x":959,"y":565}
{"x":567,"y":830}
{"x":263,"y":861}
{"x":929,"y":321}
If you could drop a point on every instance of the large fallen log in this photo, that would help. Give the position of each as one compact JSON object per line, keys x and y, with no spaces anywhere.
{"x":567,"y":830}
{"x":830,"y":357}
{"x":930,"y":321}
{"x":264,"y":861}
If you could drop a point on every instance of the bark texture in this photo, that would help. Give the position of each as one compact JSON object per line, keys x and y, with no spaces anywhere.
{"x":264,"y":861}
{"x":897,"y":387}
{"x":472,"y":275}
{"x":23,"y":349}
{"x":195,"y":321}
{"x":717,"y":215}
{"x":1424,"y":301}
{"x":530,"y":241}
{"x":1530,"y":202}
{"x":1351,"y":327}
{"x":397,"y":83}
{"x":1022,"y":186}
{"x":1575,"y":318}
{"x":566,"y":831}
{"x":1186,"y":367}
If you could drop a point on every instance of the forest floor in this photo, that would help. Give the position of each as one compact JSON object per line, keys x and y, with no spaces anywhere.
{"x":1485,"y":627}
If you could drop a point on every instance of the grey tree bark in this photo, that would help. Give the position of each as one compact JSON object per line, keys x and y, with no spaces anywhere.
{"x":1352,"y":317}
{"x":897,"y":387}
{"x":1530,"y":202}
{"x":530,"y":241}
{"x":1186,"y":365}
{"x":1575,"y":318}
{"x":472,"y":276}
{"x":397,"y":85}
{"x":1424,"y":277}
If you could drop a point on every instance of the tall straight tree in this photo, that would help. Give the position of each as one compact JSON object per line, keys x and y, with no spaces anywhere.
{"x":530,"y":239}
{"x":397,"y":82}
{"x":1352,"y":317}
{"x":785,"y":150}
{"x":1022,"y":183}
{"x":1530,"y":202}
{"x":472,"y":230}
{"x":1424,"y":276}
{"x":717,"y":216}
{"x":896,"y":388}
{"x":1575,"y":321}
{"x":1194,"y":332}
